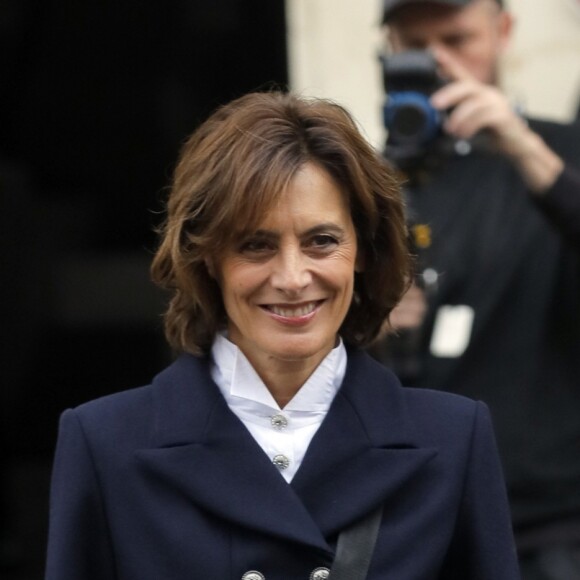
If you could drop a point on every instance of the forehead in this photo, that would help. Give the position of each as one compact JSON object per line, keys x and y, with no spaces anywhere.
{"x":312,"y":195}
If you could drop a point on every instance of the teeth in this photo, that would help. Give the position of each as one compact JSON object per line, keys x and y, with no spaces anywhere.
{"x":293,"y":312}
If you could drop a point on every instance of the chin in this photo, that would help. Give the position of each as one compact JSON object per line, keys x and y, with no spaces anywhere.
{"x":301,"y":348}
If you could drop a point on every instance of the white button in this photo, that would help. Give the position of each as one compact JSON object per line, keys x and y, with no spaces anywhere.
{"x":279,"y":422}
{"x":281,"y":462}
{"x":320,"y":574}
{"x":253,"y":575}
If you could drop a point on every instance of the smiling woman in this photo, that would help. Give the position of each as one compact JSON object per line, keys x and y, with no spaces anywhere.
{"x":288,"y":287}
{"x":273,"y":435}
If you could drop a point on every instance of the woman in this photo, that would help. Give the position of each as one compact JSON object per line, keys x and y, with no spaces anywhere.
{"x":273,"y":432}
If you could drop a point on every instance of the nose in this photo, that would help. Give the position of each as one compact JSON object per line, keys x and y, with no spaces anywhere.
{"x":434,"y":45}
{"x":291,"y":273}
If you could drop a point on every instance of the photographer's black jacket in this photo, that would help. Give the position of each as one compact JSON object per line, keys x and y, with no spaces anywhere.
{"x":516,"y":261}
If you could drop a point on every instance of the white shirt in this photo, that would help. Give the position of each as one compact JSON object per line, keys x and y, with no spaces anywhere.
{"x":283,"y":434}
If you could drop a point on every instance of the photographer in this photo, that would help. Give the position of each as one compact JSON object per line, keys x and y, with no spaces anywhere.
{"x":494,"y":209}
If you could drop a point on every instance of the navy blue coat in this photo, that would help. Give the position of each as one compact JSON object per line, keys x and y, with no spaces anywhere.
{"x":164,"y":482}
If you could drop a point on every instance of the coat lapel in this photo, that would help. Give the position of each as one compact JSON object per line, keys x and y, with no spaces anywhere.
{"x":201,"y":449}
{"x":365,"y":452}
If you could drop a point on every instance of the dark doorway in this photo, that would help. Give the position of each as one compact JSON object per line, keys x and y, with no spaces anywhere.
{"x":96,"y":97}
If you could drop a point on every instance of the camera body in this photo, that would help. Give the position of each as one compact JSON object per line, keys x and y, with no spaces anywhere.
{"x":413,"y":124}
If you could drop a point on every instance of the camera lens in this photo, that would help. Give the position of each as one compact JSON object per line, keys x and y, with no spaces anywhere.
{"x":408,"y":122}
{"x":410,"y":119}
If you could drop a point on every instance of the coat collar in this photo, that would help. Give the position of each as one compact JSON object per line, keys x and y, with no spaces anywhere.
{"x":365,"y":451}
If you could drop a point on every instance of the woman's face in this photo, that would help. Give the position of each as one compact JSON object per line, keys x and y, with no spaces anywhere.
{"x":288,"y":285}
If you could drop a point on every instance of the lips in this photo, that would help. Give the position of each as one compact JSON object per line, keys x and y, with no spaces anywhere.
{"x":293,"y":310}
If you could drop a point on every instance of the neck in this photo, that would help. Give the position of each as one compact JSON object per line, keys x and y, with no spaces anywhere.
{"x":284,"y":378}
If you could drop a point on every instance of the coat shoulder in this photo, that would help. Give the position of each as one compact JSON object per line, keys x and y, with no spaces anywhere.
{"x":441,"y":414}
{"x":132,"y":415}
{"x":436,"y":402}
{"x":432,"y":415}
{"x":123,"y":417}
{"x":421,"y":400}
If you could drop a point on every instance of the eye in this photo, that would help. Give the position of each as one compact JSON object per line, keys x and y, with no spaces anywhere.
{"x":416,"y":45}
{"x":456,"y":40}
{"x":256,"y":246}
{"x":323,"y":241}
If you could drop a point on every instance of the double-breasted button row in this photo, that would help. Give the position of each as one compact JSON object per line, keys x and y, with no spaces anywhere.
{"x":317,"y":574}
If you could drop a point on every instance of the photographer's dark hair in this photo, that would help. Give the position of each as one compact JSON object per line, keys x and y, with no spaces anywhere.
{"x":234,"y":168}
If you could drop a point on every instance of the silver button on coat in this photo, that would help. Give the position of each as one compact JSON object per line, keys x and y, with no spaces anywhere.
{"x":253,"y":575}
{"x":320,"y":574}
{"x":281,"y":461}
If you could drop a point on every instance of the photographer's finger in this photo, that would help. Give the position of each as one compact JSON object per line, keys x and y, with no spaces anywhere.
{"x":477,"y":114}
{"x":450,"y":67}
{"x":467,"y":120}
{"x":452,"y":94}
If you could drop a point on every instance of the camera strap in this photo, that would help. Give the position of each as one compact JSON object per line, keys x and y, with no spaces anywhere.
{"x":355,"y":548}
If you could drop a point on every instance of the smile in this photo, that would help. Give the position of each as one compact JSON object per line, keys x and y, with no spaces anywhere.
{"x":295,"y":311}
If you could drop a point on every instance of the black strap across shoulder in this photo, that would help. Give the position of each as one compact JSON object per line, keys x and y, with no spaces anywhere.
{"x":355,"y":548}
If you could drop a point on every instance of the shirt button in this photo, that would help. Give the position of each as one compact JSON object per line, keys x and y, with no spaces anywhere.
{"x":279,"y":422}
{"x":320,"y":574}
{"x":281,"y":462}
{"x":253,"y":575}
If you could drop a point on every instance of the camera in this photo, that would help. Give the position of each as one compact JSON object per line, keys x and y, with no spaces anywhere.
{"x":413,"y":124}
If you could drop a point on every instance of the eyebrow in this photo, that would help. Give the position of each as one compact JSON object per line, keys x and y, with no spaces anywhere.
{"x":327,"y":227}
{"x":323,"y":228}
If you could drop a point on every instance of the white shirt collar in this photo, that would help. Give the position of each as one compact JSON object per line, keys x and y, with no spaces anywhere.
{"x":245,"y":392}
{"x":284,"y":435}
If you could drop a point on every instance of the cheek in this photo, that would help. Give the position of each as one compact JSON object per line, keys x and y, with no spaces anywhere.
{"x":482,"y":57}
{"x":240,"y":280}
{"x":475,"y":62}
{"x":341,"y":276}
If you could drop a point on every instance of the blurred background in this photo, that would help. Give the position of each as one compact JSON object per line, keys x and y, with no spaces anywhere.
{"x":96,"y":97}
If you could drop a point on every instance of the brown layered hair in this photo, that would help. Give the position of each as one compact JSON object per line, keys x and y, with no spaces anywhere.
{"x":234,"y":168}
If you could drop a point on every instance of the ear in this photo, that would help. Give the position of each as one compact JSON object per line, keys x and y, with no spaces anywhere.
{"x":505,"y":30}
{"x":211,"y":269}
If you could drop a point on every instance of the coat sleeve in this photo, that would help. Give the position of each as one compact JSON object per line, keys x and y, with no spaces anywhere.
{"x":79,"y":544}
{"x":483,"y":547}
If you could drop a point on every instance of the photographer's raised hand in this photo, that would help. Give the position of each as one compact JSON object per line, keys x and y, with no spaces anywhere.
{"x":476,"y":106}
